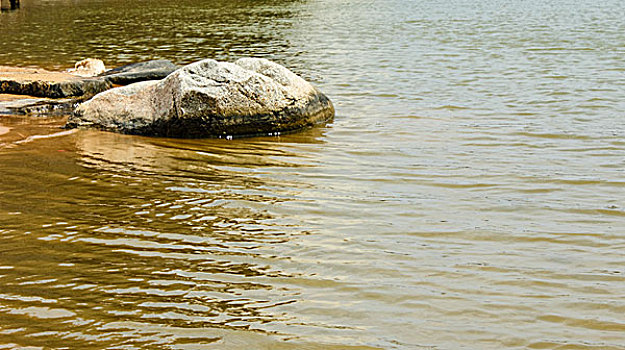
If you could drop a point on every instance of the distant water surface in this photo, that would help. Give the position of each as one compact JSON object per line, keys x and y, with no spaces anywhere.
{"x":470,"y":193}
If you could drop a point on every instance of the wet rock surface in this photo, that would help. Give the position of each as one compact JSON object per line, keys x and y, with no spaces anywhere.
{"x":38,"y":92}
{"x":34,"y":106}
{"x":42,"y":83}
{"x":132,"y":73}
{"x":209,"y":99}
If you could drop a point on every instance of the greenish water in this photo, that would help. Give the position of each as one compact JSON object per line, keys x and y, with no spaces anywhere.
{"x":470,"y":193}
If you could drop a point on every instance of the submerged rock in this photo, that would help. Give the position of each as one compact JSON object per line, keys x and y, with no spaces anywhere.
{"x":89,"y":67}
{"x":132,"y":73}
{"x":209,"y":99}
{"x":33,"y":106}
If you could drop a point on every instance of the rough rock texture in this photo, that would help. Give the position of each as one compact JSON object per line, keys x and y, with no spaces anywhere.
{"x":89,"y":67}
{"x":42,"y":83}
{"x":209,"y":99}
{"x":34,"y":106}
{"x":132,"y":73}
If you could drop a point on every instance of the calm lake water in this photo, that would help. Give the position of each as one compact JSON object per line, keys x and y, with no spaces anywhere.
{"x":469,"y":194}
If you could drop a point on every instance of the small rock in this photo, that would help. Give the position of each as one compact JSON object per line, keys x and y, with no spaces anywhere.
{"x":89,"y":67}
{"x":209,"y":99}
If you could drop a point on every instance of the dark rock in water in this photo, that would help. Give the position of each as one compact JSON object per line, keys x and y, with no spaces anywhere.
{"x":132,"y":73}
{"x":55,"y":89}
{"x":209,"y":99}
{"x":41,"y":83}
{"x":82,"y":87}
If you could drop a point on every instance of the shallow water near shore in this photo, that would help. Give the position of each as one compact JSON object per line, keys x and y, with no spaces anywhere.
{"x":470,"y":193}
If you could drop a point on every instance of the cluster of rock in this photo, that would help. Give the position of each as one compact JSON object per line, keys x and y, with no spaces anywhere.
{"x":87,"y":78}
{"x":250,"y":96}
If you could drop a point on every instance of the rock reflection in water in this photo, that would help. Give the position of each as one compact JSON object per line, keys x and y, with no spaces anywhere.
{"x":177,"y":243}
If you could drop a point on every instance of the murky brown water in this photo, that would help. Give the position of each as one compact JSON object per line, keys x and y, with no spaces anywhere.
{"x":470,"y":193}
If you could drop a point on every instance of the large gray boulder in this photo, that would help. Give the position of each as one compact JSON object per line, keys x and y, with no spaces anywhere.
{"x":209,"y":99}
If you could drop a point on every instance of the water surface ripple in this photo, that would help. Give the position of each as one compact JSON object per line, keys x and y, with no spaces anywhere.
{"x":470,"y":193}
